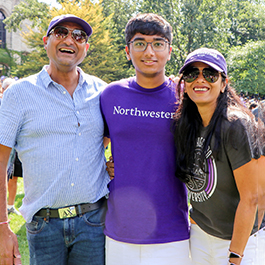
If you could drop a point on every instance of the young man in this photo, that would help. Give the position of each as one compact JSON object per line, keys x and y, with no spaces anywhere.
{"x":147,"y":217}
{"x":54,"y":122}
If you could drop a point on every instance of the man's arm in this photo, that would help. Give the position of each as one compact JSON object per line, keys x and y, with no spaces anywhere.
{"x":9,"y":253}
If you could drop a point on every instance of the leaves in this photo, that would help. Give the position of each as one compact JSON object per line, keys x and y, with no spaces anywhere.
{"x":247,"y":67}
{"x":219,"y":24}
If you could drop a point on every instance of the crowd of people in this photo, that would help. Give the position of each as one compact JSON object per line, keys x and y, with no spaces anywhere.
{"x":188,"y":138}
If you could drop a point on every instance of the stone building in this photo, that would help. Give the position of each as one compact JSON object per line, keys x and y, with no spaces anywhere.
{"x":9,"y":39}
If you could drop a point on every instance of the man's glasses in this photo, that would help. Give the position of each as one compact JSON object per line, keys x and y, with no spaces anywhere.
{"x":209,"y":74}
{"x":61,"y":32}
{"x":141,"y":45}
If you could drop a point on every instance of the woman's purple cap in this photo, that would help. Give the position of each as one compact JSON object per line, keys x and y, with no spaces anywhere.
{"x":209,"y":56}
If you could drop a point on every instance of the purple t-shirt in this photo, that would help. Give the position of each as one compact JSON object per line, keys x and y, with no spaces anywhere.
{"x":147,"y":203}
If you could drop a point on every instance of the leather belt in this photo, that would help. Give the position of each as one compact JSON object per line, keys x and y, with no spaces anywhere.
{"x":70,"y":211}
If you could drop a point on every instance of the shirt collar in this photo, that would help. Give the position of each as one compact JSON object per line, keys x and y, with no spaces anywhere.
{"x":47,"y":79}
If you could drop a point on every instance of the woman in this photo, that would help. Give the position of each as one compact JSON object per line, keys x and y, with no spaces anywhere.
{"x":218,"y":159}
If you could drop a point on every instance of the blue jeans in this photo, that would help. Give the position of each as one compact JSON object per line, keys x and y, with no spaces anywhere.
{"x":70,"y":241}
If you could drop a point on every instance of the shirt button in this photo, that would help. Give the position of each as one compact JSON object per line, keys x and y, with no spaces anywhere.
{"x":64,"y":92}
{"x":79,"y":134}
{"x":77,"y":112}
{"x":76,"y":159}
{"x":72,"y":184}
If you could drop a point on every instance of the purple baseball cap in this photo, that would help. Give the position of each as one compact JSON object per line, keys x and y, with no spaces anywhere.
{"x":70,"y":18}
{"x":209,"y":56}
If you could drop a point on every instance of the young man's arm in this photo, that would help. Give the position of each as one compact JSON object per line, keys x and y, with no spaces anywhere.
{"x":9,"y":253}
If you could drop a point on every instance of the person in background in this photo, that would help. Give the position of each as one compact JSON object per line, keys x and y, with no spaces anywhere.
{"x":5,"y":84}
{"x":147,"y":217}
{"x":53,"y":120}
{"x":220,"y":160}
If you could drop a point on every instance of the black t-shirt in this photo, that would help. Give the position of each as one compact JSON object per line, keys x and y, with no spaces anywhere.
{"x":212,"y":192}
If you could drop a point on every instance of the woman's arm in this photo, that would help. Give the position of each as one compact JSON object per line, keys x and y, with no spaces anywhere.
{"x":246,"y":178}
{"x":261,"y":189}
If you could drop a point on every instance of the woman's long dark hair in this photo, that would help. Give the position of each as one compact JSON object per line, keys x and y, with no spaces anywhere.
{"x":188,"y":123}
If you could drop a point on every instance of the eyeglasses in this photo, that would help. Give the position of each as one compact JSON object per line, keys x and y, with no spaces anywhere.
{"x":141,"y":45}
{"x":210,"y":75}
{"x":61,"y":32}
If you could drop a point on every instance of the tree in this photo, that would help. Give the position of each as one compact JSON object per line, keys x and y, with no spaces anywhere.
{"x":6,"y":60}
{"x":37,"y":12}
{"x":120,"y":11}
{"x":247,"y":21}
{"x":247,"y":67}
{"x":219,"y":24}
{"x":102,"y":59}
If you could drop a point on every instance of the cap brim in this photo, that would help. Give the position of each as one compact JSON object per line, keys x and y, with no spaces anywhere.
{"x":214,"y":66}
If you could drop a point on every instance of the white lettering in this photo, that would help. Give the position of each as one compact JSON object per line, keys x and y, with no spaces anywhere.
{"x":142,"y":113}
{"x":198,"y":197}
{"x":152,"y":114}
{"x":137,"y":112}
{"x":116,"y":110}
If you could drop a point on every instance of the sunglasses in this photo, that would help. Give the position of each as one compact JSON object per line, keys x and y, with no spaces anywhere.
{"x":210,"y":75}
{"x":61,"y":32}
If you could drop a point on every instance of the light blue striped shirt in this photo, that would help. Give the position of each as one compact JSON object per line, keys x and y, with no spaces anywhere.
{"x":59,"y":140}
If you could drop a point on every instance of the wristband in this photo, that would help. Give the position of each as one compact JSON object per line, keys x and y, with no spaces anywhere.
{"x":6,"y":222}
{"x":234,"y":255}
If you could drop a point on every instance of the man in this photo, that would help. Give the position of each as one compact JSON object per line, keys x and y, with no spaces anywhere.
{"x":147,"y":217}
{"x":15,"y":167}
{"x":54,"y":122}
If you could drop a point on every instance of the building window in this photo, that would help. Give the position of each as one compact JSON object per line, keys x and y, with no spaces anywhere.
{"x":2,"y":31}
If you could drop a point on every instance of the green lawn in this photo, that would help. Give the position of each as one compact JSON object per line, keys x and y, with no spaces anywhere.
{"x":17,"y":223}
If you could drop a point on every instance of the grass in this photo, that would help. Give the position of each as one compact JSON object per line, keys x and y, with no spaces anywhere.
{"x":18,"y":224}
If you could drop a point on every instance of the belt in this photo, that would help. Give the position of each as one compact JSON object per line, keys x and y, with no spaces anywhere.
{"x":70,"y":211}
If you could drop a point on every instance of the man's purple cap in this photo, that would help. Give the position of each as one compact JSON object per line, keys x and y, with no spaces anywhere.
{"x":70,"y":18}
{"x":209,"y":56}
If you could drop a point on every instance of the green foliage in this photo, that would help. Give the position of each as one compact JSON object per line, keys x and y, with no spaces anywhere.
{"x":247,"y":67}
{"x":32,"y":62}
{"x":247,"y":21}
{"x":37,"y":12}
{"x":120,"y":11}
{"x":6,"y":57}
{"x":104,"y":57}
{"x":219,"y":24}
